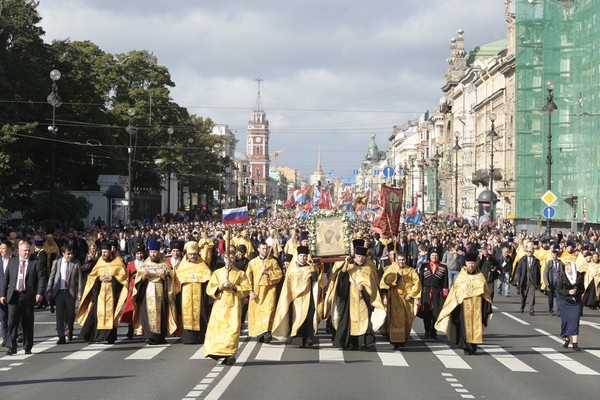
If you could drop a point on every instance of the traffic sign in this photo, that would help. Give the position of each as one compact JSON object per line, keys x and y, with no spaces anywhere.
{"x":330,"y":172}
{"x":388,"y":172}
{"x":549,"y":198}
{"x":442,"y":202}
{"x":354,"y":172}
{"x":549,"y":212}
{"x":376,"y":172}
{"x":401,"y":171}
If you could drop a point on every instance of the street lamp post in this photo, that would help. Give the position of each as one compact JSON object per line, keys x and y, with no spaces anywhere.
{"x":54,"y":100}
{"x":435,"y":162}
{"x":422,"y":164}
{"x":412,"y":182}
{"x":190,"y":142}
{"x":170,"y":145}
{"x":131,"y":130}
{"x":456,"y":148}
{"x":549,"y":107}
{"x":492,"y":134}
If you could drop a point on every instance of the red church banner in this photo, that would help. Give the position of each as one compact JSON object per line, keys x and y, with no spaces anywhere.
{"x":388,"y":218}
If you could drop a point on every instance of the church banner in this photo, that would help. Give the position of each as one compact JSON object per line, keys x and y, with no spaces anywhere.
{"x":388,"y":218}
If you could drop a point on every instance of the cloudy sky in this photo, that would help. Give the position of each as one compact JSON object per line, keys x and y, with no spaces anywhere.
{"x":334,"y":71}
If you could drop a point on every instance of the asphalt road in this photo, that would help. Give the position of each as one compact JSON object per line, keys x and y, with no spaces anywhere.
{"x":522,"y":358}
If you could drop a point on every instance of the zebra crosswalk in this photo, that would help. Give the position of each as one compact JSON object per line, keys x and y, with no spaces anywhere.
{"x":274,"y":352}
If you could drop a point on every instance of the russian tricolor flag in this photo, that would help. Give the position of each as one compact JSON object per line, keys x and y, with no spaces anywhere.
{"x":235,"y":215}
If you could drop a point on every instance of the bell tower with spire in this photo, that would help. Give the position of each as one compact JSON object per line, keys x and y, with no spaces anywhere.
{"x":318,"y":175}
{"x":257,"y":147}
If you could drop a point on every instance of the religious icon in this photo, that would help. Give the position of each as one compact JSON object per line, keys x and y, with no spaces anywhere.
{"x":329,"y":234}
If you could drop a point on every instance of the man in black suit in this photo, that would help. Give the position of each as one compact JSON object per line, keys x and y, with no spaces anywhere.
{"x":22,"y":286}
{"x":65,"y":286}
{"x":5,"y":256}
{"x":528,"y":279}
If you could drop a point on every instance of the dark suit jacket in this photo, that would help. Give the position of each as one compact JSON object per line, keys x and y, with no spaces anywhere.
{"x":75,"y":281}
{"x":2,"y":267}
{"x":2,"y":274}
{"x":548,"y":271}
{"x":35,"y":278}
{"x":521,"y":272}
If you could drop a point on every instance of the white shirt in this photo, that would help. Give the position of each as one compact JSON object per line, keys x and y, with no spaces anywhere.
{"x":64,"y":265}
{"x":24,"y":274}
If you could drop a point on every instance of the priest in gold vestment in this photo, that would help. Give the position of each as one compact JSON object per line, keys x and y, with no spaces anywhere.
{"x":264,"y":274}
{"x":591,"y":283}
{"x":354,"y":304}
{"x":154,"y":292}
{"x":228,"y":286}
{"x":467,"y":309}
{"x":193,"y":275}
{"x":400,"y":286}
{"x":296,"y":314}
{"x":104,"y":295}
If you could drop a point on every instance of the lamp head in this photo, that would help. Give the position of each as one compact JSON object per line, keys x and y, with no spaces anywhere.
{"x":550,"y":84}
{"x":131,"y":111}
{"x":55,"y":75}
{"x":170,"y":131}
{"x":492,"y":117}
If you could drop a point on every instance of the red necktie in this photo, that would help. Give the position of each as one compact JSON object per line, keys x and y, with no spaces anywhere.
{"x":21,"y":279}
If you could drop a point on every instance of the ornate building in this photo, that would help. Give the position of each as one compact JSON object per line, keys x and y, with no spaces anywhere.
{"x":477,"y":146}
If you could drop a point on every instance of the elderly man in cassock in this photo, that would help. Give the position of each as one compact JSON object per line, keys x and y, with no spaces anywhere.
{"x":467,"y":309}
{"x":103,"y":297}
{"x":228,"y":286}
{"x":296,"y":314}
{"x":400,"y":286}
{"x":354,"y":304}
{"x":193,"y":275}
{"x":263,"y":274}
{"x":154,"y":294}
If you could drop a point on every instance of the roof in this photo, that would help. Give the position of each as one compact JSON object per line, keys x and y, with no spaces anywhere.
{"x":487,"y":50}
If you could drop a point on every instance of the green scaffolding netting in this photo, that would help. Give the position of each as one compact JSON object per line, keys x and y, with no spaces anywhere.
{"x":558,"y":41}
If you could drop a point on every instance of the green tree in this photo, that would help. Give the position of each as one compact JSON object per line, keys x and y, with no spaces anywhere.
{"x":24,"y":70}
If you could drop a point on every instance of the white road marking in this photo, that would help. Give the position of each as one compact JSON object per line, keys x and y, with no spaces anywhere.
{"x":390,"y":358}
{"x":270,"y":352}
{"x":447,"y":356}
{"x":148,"y":352}
{"x":565,"y":362}
{"x":234,"y":370}
{"x":329,"y":355}
{"x":90,"y":351}
{"x":515,"y":318}
{"x":36,"y":349}
{"x":592,"y":324}
{"x":198,"y":355}
{"x":551,"y":336}
{"x":505,"y":358}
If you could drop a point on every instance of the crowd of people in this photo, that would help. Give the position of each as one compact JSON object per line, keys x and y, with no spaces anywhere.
{"x":201,"y":282}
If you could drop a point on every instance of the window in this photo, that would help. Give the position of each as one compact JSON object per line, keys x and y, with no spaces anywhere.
{"x":257,"y":150}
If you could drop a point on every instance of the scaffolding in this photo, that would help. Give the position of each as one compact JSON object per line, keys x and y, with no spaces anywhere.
{"x":558,"y":41}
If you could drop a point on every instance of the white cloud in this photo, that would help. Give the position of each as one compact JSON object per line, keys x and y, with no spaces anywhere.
{"x":357,"y":55}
